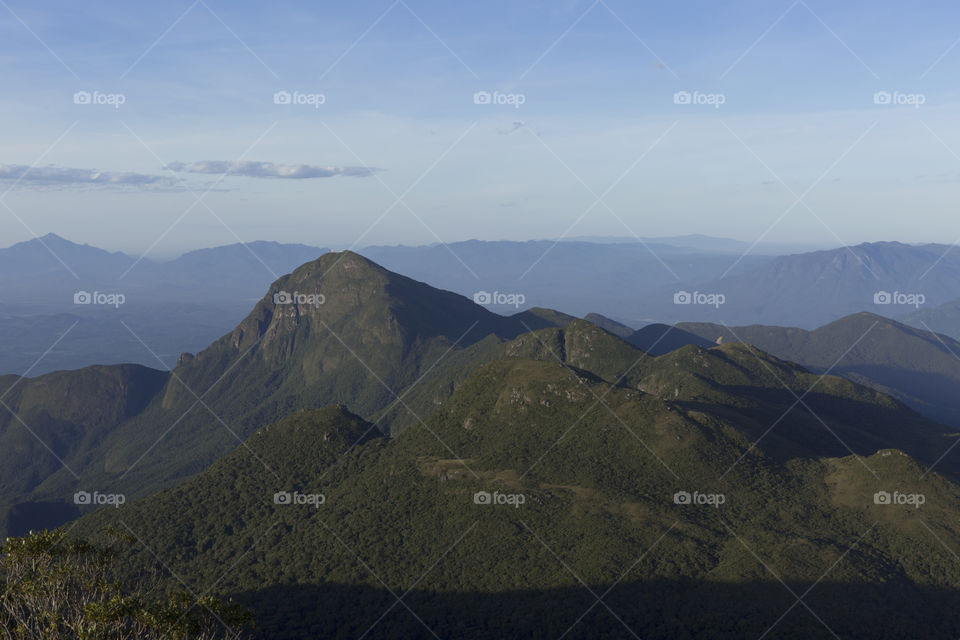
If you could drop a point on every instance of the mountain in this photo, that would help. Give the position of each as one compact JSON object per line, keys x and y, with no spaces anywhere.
{"x":811,"y":289}
{"x":339,"y":329}
{"x":50,"y":253}
{"x":228,"y":264}
{"x":944,"y":319}
{"x":635,"y":283}
{"x":54,"y":424}
{"x":572,"y":468}
{"x":236,"y":268}
{"x":920,"y":368}
{"x":47,"y":271}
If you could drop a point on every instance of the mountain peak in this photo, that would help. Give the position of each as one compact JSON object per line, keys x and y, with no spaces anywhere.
{"x":52,"y":237}
{"x":52,"y":252}
{"x":336,"y":266}
{"x":341,"y":328}
{"x":50,"y":240}
{"x":308,"y":429}
{"x":348,"y":261}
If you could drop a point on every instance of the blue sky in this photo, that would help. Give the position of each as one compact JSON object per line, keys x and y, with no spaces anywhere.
{"x":399,"y":151}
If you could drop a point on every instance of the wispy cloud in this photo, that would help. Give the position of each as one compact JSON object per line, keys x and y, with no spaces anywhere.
{"x":270,"y":170}
{"x":516,"y":126}
{"x":52,"y":177}
{"x":72,"y":177}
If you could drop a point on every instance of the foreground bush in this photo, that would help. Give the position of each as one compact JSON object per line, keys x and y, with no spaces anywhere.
{"x":54,"y":587}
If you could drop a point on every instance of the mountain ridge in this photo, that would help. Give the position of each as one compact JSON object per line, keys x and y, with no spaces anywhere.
{"x":338,"y":329}
{"x":398,"y":504}
{"x":912,"y":364}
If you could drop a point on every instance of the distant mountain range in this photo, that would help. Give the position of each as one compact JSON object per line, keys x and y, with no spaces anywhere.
{"x":812,"y":289}
{"x":174,"y":307}
{"x":617,"y":280}
{"x":168,"y":307}
{"x":637,"y":285}
{"x":700,"y":242}
{"x":39,"y":273}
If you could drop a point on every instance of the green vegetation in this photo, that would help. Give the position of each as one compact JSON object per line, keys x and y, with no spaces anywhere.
{"x":693,"y":492}
{"x":65,"y":415}
{"x":53,"y":587}
{"x":133,"y":430}
{"x":598,"y":481}
{"x":914,"y":365}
